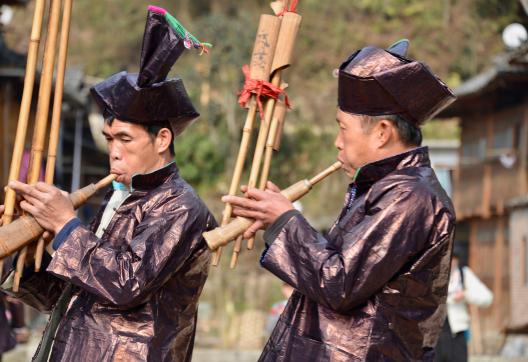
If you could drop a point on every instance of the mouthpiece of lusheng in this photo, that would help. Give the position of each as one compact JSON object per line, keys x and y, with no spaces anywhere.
{"x":25,"y":229}
{"x":224,"y":234}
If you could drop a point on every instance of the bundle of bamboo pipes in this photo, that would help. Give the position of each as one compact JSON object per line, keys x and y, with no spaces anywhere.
{"x":50,"y":58}
{"x":272,"y":53}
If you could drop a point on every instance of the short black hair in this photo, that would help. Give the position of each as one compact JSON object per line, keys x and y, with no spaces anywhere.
{"x":152,"y":129}
{"x":410,"y":134}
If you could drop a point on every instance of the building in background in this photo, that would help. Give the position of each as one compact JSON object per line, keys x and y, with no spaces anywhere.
{"x":492,"y":173}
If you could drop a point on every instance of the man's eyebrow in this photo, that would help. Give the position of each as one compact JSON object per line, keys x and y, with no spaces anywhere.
{"x":122,"y":134}
{"x":117,"y":134}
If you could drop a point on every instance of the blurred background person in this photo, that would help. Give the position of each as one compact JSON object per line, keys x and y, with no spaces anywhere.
{"x":464,"y":288}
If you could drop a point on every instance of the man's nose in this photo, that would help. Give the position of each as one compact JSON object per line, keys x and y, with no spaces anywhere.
{"x":338,"y":143}
{"x":114,"y":153}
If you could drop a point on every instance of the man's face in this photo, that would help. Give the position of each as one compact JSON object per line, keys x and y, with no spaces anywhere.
{"x":355,"y":145}
{"x":131,"y":150}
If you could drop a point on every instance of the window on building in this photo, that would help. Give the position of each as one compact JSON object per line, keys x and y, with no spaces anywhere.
{"x":474,"y":151}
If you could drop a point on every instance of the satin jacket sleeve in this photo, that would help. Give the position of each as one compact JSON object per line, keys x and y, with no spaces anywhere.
{"x":162,"y":241}
{"x":364,"y":255}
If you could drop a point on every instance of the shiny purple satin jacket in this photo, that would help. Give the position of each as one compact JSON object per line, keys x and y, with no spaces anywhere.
{"x":136,"y":288}
{"x":375,"y":289}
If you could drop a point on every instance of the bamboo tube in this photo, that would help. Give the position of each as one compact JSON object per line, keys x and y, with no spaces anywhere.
{"x":273,"y":141}
{"x":261,"y":62}
{"x":224,"y":234}
{"x":290,"y":25}
{"x":26,"y":229}
{"x":56,"y":114}
{"x":257,"y":159}
{"x":41,"y":121}
{"x":25,"y":107}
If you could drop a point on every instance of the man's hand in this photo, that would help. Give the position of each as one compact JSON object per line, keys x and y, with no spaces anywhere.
{"x":49,"y":206}
{"x":263,"y":206}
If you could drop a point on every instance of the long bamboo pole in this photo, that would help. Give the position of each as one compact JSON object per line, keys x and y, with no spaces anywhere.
{"x":25,"y":108}
{"x":290,"y":25}
{"x":260,"y":67}
{"x":57,"y":109}
{"x":41,"y":121}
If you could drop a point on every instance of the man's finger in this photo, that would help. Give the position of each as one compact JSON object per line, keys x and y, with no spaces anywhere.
{"x":252,"y":214}
{"x":46,"y":188}
{"x":272,"y":187}
{"x":19,"y":186}
{"x":252,"y":230}
{"x":33,"y":200}
{"x":243,"y":188}
{"x":26,"y":206}
{"x":25,"y":189}
{"x":241,"y":202}
{"x":256,"y":194}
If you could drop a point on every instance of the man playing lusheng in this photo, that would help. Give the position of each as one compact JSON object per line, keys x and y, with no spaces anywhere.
{"x":126,"y":288}
{"x":375,"y":289}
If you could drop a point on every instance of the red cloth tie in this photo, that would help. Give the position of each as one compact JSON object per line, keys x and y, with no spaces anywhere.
{"x":259,"y":88}
{"x":293,"y":8}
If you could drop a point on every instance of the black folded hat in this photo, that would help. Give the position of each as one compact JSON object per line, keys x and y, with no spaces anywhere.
{"x":375,"y":82}
{"x":149,"y":97}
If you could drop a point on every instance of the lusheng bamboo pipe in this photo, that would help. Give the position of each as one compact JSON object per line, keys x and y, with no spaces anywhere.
{"x":56,"y":115}
{"x":224,"y":234}
{"x":25,"y":229}
{"x":290,"y":25}
{"x":273,"y":143}
{"x":260,"y":68}
{"x":41,"y":120}
{"x":25,"y":108}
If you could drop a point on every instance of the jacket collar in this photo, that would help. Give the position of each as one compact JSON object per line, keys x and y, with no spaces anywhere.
{"x":152,"y":180}
{"x":372,"y":172}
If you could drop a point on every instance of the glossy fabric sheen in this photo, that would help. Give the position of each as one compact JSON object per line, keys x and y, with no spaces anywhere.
{"x":375,"y":81}
{"x":375,"y":289}
{"x":137,"y":287}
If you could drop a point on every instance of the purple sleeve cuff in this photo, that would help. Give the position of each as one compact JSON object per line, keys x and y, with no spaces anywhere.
{"x":65,"y":232}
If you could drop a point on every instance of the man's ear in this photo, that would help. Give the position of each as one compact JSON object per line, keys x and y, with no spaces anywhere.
{"x":384,"y":132}
{"x":163,"y":140}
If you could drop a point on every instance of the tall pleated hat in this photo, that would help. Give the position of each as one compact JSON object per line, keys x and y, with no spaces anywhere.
{"x":375,"y":82}
{"x":148,"y":96}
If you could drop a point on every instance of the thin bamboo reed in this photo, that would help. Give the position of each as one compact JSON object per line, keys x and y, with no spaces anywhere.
{"x":41,"y":121}
{"x":56,"y":114}
{"x":25,"y":107}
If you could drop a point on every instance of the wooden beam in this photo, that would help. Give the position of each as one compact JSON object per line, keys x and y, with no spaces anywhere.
{"x":523,"y":154}
{"x":498,"y":276}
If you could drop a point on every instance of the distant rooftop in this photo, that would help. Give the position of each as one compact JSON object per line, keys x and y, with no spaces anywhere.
{"x":502,"y":85}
